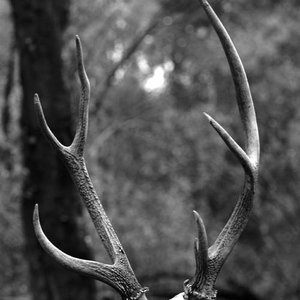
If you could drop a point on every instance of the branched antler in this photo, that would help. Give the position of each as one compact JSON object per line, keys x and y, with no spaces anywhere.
{"x":210,"y":261}
{"x":119,"y":275}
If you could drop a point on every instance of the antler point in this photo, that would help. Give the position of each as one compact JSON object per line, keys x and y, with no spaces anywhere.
{"x":209,"y":118}
{"x":36,"y":99}
{"x":196,"y":215}
{"x":78,"y":42}
{"x":36,"y":212}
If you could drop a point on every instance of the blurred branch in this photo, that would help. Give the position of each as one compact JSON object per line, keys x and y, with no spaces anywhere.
{"x":8,"y":88}
{"x":130,"y":122}
{"x":128,"y":53}
{"x":15,"y":297}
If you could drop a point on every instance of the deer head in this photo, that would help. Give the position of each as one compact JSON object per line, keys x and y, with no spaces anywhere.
{"x":209,"y":260}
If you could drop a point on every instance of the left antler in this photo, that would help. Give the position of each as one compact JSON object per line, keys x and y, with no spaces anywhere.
{"x":119,"y":275}
{"x":209,"y":261}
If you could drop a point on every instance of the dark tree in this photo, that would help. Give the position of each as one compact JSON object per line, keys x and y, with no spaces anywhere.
{"x":39,"y":28}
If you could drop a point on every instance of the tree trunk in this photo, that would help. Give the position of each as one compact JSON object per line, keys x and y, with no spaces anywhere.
{"x":39,"y":27}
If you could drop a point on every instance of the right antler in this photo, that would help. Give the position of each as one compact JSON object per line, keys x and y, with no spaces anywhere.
{"x":209,"y":261}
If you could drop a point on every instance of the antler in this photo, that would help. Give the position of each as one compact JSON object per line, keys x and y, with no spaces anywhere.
{"x":119,"y":275}
{"x":209,"y":261}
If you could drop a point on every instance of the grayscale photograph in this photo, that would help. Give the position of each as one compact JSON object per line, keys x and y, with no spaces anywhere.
{"x":150,"y":149}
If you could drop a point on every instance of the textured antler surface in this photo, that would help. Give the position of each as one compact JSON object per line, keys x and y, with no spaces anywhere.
{"x":209,"y":261}
{"x":119,"y":275}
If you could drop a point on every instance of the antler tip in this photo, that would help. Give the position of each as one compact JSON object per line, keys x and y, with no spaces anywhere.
{"x":196,"y":215}
{"x":198,"y":219}
{"x":43,"y":123}
{"x":36,"y":220}
{"x":78,"y":42}
{"x":38,"y":106}
{"x":78,"y":49}
{"x":36,"y":211}
{"x":209,"y":118}
{"x":200,"y":228}
{"x":36,"y":99}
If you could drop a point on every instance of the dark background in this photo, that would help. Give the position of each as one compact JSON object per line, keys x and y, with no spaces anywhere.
{"x":154,"y":68}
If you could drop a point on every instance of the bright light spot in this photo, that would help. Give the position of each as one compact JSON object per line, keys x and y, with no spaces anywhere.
{"x":120,"y":74}
{"x":169,"y":66}
{"x":116,"y":54}
{"x":143,"y":64}
{"x":157,"y":81}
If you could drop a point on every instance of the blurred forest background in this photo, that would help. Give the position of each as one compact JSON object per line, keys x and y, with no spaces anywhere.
{"x":154,"y":67}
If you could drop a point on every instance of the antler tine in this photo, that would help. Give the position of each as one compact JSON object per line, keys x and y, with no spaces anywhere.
{"x":201,"y":253}
{"x":243,"y":93}
{"x":43,"y":123}
{"x":119,"y":275}
{"x":97,"y":270}
{"x":82,"y":127}
{"x":250,"y":159}
{"x":231,"y":144}
{"x":202,"y":285}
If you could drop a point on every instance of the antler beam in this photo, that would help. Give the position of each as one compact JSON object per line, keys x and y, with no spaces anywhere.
{"x":210,"y":261}
{"x":119,"y":275}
